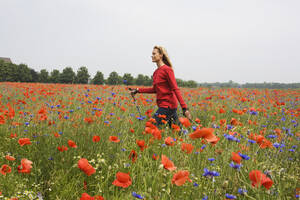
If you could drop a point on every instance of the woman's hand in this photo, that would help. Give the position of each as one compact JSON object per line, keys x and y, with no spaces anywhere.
{"x":187,"y":113}
{"x":133,"y":91}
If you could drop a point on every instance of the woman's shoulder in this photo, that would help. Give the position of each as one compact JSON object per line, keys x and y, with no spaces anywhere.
{"x":166,"y":67}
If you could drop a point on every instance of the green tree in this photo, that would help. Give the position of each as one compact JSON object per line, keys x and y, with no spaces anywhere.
{"x":129,"y":79}
{"x":98,"y":78}
{"x":4,"y":71}
{"x":44,"y":76}
{"x":140,"y":80}
{"x":67,"y":75}
{"x":34,"y":75}
{"x":147,"y":80}
{"x":114,"y":79}
{"x":54,"y":76}
{"x":82,"y":76}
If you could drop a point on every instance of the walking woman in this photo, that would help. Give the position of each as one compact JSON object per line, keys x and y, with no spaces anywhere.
{"x":166,"y":89}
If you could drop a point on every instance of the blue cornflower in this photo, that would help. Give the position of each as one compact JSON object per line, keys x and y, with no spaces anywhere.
{"x":272,"y":136}
{"x":276,"y":145}
{"x":203,"y":146}
{"x":235,"y":166}
{"x":230,"y":196}
{"x":66,"y":117}
{"x":86,"y":95}
{"x":294,"y":146}
{"x":26,"y":123}
{"x":292,"y":150}
{"x":242,"y":191}
{"x":70,"y":111}
{"x":210,"y":173}
{"x":251,"y":141}
{"x":244,"y":156}
{"x":253,"y":112}
{"x":89,"y":102}
{"x":195,"y":184}
{"x":211,"y":159}
{"x":229,"y":127}
{"x":194,"y":127}
{"x":205,"y":197}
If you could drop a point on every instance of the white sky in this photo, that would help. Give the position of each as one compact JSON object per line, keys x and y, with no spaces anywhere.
{"x":207,"y":41}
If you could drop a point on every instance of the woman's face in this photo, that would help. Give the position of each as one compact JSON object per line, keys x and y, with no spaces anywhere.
{"x":156,"y":56}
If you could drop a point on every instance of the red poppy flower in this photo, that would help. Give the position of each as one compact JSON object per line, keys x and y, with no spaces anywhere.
{"x":83,"y":165}
{"x":5,"y":169}
{"x":236,"y":157}
{"x":131,"y":130}
{"x":222,"y":110}
{"x":114,"y":139}
{"x":168,"y":164}
{"x":258,"y":178}
{"x":72,"y":144}
{"x":88,"y":120}
{"x":25,"y":166}
{"x":156,"y":134}
{"x":141,"y":144}
{"x":123,"y":180}
{"x":86,"y":196}
{"x":96,"y":138}
{"x":162,"y":116}
{"x":57,"y":135}
{"x":155,"y":157}
{"x":175,"y":127}
{"x":188,"y":148}
{"x":24,"y":141}
{"x":169,"y":141}
{"x":181,"y":177}
{"x":62,"y":148}
{"x":12,"y":135}
{"x":10,"y":158}
{"x":133,"y":155}
{"x":185,"y":121}
{"x":148,"y":113}
{"x":197,"y":120}
{"x":206,"y":133}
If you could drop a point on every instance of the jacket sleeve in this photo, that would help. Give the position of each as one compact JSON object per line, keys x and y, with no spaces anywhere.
{"x":146,"y":90}
{"x":173,"y":84}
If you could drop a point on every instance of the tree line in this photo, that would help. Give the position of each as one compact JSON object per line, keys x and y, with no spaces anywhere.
{"x":264,"y":85}
{"x":10,"y":72}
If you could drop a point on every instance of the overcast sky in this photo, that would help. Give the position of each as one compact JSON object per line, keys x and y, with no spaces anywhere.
{"x":207,"y":40}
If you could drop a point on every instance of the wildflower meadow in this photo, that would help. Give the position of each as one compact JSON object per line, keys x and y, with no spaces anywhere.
{"x":61,"y":141}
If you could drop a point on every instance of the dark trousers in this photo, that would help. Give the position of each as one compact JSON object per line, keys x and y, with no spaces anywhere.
{"x":171,"y":116}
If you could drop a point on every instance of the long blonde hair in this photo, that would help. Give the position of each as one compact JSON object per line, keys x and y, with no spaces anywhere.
{"x":165,"y":57}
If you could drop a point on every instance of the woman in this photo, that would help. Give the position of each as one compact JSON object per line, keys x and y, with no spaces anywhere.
{"x":166,"y":89}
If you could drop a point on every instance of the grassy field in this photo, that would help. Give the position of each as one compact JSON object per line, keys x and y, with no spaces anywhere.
{"x":56,"y":144}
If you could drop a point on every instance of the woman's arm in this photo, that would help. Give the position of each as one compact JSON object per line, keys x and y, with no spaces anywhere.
{"x":146,"y":90}
{"x":174,"y":87}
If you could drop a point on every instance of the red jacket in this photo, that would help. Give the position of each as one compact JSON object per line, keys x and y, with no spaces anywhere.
{"x":165,"y":87}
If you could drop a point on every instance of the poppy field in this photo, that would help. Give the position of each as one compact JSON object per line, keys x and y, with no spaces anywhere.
{"x":89,"y":142}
